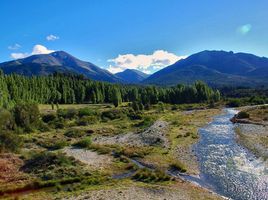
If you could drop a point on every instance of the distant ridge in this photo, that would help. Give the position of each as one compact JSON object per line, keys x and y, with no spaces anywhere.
{"x":217,"y":68}
{"x":132,"y":76}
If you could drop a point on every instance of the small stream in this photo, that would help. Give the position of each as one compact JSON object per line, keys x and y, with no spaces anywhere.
{"x":226,"y":167}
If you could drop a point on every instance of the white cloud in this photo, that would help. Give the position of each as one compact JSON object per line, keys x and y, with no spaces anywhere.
{"x":244,"y":29}
{"x":40,"y":49}
{"x":52,"y":37}
{"x":19,"y":55}
{"x":146,"y":63}
{"x":14,"y":47}
{"x":37,"y":49}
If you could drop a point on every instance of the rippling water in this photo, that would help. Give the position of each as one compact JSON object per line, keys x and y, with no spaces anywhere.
{"x":229,"y":168}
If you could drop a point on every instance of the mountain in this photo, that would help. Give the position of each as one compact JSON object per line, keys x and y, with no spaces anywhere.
{"x":217,"y":68}
{"x":59,"y":61}
{"x":132,"y":76}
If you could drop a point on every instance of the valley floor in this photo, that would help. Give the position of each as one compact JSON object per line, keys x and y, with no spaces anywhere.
{"x":160,"y":138}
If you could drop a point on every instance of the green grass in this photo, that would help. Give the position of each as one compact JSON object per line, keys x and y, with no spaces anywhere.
{"x":77,"y":128}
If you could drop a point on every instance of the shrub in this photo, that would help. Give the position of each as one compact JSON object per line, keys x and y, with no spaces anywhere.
{"x":58,"y":123}
{"x":9,"y":141}
{"x":59,"y":145}
{"x":147,"y":121}
{"x":67,"y":113}
{"x":101,"y":149}
{"x":178,"y":166}
{"x":160,"y":107}
{"x":136,"y":152}
{"x":150,"y":176}
{"x":134,"y":115}
{"x":26,"y":115}
{"x":242,"y":115}
{"x":137,"y":106}
{"x":86,"y":120}
{"x":48,"y":117}
{"x":6,"y":120}
{"x":112,"y":114}
{"x":85,"y":112}
{"x":74,"y":133}
{"x":84,"y":143}
{"x":52,"y":143}
{"x":234,"y":103}
{"x":174,"y":107}
{"x":43,"y":127}
{"x":45,"y":160}
{"x":187,"y":134}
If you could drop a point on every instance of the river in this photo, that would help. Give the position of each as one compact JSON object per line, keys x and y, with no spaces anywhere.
{"x":226,"y":167}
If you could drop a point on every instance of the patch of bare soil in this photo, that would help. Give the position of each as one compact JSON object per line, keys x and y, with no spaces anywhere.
{"x":10,"y":169}
{"x":91,"y":158}
{"x":152,"y":136}
{"x":178,"y":192}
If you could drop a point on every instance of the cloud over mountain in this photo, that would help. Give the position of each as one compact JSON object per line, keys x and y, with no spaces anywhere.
{"x":37,"y":49}
{"x":143,"y":62}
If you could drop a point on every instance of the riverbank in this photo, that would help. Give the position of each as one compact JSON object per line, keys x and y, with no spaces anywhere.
{"x":252,"y":130}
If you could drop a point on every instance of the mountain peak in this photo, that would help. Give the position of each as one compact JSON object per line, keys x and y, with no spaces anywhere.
{"x":132,"y":75}
{"x":58,"y":61}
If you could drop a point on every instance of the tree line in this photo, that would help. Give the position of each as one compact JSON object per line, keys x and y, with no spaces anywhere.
{"x":70,"y":89}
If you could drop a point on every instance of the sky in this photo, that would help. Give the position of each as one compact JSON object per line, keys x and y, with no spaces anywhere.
{"x":147,"y":35}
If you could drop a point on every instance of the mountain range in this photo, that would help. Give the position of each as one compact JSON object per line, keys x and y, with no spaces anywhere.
{"x":217,"y":68}
{"x":59,"y":61}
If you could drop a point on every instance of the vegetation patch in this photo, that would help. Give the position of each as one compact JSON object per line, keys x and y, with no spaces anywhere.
{"x":150,"y":176}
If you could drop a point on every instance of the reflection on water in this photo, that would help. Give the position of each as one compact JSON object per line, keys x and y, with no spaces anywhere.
{"x":229,"y":168}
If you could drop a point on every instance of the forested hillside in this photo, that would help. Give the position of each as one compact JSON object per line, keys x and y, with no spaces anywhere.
{"x":68,"y":89}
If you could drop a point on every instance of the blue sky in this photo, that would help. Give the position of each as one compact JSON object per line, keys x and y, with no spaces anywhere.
{"x":142,"y":34}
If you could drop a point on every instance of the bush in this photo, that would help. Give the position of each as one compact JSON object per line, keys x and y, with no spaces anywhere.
{"x":140,"y":152}
{"x":101,"y":149}
{"x":178,"y":166}
{"x":147,"y":121}
{"x":26,"y":115}
{"x":74,"y":133}
{"x":52,"y":143}
{"x":150,"y":176}
{"x":58,"y":123}
{"x":134,"y":115}
{"x":234,"y":103}
{"x":112,"y":114}
{"x":67,"y":113}
{"x":242,"y":115}
{"x":6,"y":120}
{"x":43,"y":127}
{"x":86,"y":120}
{"x":84,"y":143}
{"x":9,"y":141}
{"x":160,"y":107}
{"x":48,"y":117}
{"x":59,"y":145}
{"x":85,"y":112}
{"x":45,"y":160}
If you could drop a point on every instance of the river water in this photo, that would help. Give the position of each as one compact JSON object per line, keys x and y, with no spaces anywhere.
{"x":228,"y":168}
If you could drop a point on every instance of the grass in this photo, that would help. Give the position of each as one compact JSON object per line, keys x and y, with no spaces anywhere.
{"x":150,"y":176}
{"x":74,"y":130}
